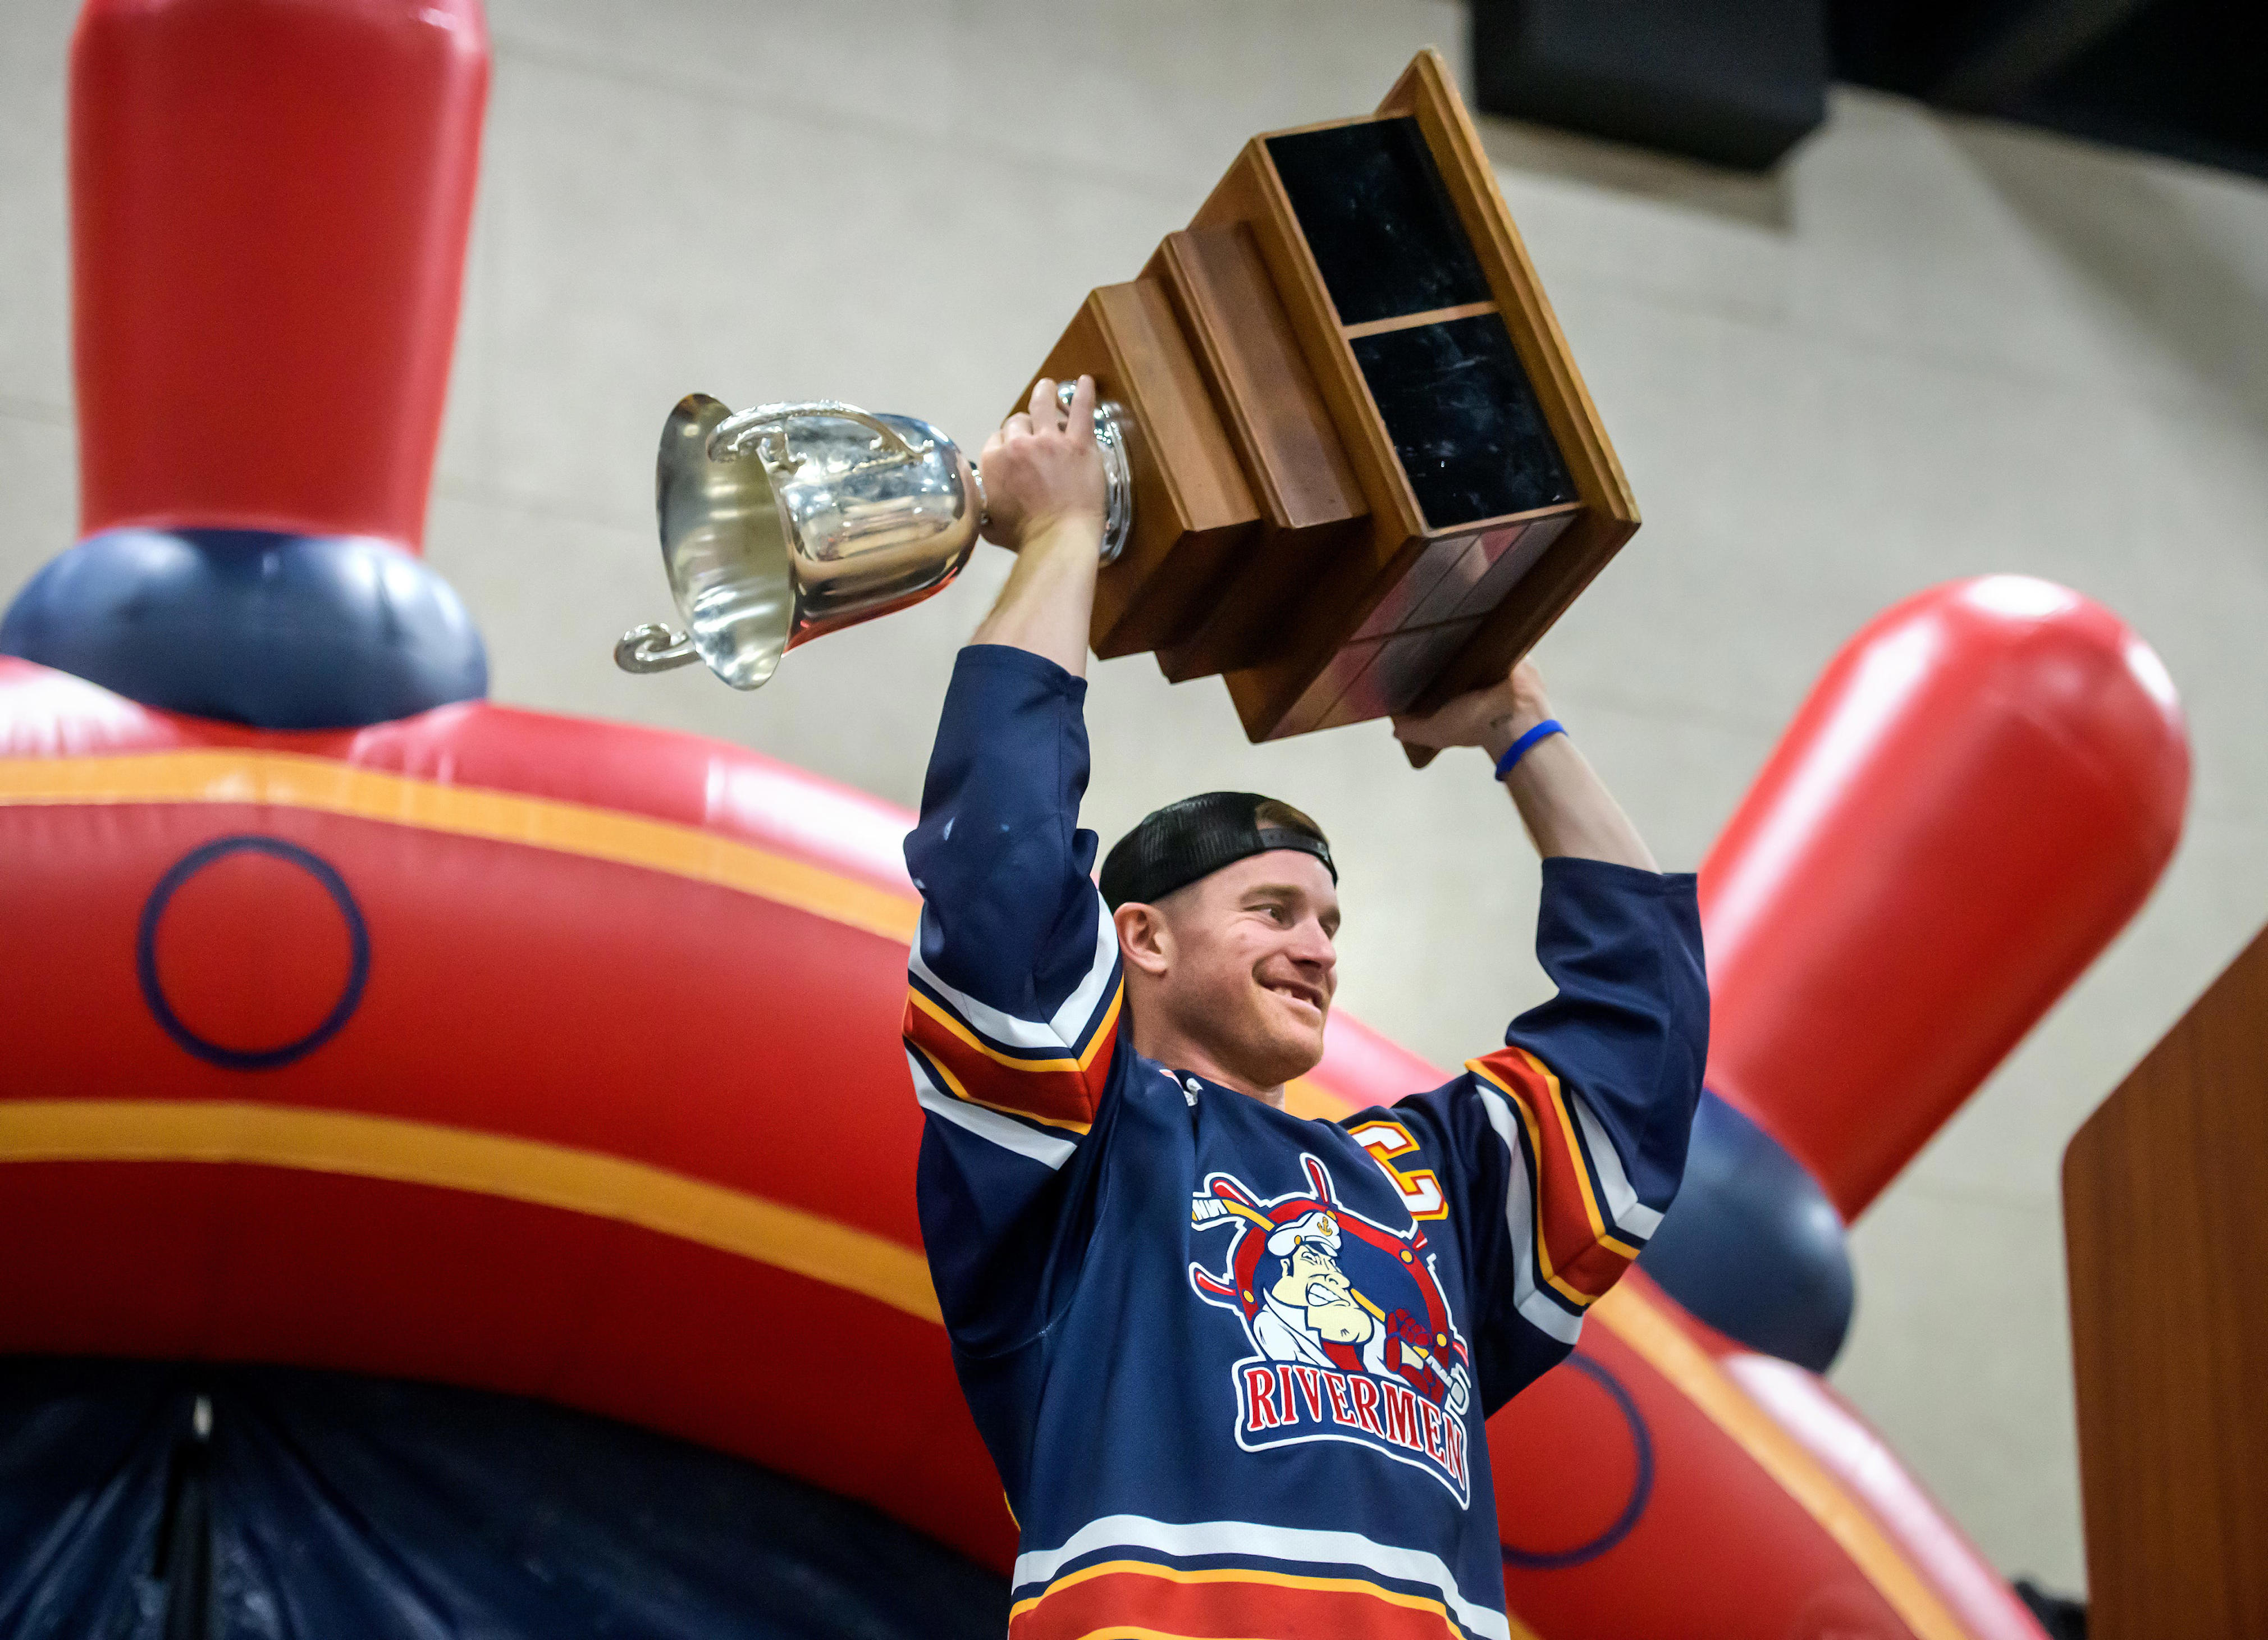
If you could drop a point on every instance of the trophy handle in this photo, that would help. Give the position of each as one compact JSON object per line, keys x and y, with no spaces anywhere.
{"x":766,"y":426}
{"x":653,"y":647}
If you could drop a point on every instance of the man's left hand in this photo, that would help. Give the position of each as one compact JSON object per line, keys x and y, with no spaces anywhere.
{"x":1491,"y":718}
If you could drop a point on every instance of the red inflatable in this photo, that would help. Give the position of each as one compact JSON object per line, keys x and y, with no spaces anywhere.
{"x":1979,"y":793}
{"x":561,"y":1058}
{"x":270,"y":200}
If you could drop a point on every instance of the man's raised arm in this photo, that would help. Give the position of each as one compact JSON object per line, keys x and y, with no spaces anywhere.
{"x":1565,"y":1146}
{"x":1013,"y":1005}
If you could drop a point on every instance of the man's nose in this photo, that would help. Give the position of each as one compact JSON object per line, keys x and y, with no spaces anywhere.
{"x":1311,"y":944}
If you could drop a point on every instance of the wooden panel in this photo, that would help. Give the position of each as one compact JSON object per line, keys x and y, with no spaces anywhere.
{"x":2166,"y":1226}
{"x":1262,"y":387}
{"x":1192,"y":506}
{"x":1312,"y":504}
{"x":1583,"y":549}
{"x":1307,"y":633}
{"x":1252,"y":194}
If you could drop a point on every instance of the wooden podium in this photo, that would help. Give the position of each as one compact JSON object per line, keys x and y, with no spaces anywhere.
{"x":2165,"y":1193}
{"x":1367,"y":473}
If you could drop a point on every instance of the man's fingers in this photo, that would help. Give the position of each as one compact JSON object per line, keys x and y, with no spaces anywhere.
{"x":1045,"y":416}
{"x":1018,"y":426}
{"x":1081,"y":424}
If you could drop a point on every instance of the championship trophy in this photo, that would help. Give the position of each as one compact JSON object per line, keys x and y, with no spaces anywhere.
{"x":1351,"y":465}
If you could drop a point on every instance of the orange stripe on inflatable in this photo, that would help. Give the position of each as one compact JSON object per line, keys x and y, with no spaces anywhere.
{"x":1632,"y":1317}
{"x":488,"y":1165}
{"x":289,"y":780}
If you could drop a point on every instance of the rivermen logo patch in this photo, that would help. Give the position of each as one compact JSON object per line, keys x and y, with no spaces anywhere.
{"x":1353,"y":1338}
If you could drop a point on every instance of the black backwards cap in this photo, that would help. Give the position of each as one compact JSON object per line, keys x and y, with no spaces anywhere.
{"x":1175,"y":845}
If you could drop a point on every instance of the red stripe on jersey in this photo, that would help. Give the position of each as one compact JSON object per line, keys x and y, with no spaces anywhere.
{"x":1121,"y":1598}
{"x":1061,"y":1092}
{"x":1569,"y":1226}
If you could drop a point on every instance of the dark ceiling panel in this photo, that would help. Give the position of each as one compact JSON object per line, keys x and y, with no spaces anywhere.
{"x":1738,"y":82}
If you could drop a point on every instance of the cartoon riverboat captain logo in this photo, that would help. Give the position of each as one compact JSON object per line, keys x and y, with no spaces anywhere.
{"x":1353,"y":1337}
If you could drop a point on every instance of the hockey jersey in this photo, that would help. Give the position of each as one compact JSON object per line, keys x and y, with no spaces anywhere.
{"x":1234,"y":1365}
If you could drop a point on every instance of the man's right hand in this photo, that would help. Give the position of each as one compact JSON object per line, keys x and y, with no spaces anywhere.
{"x":1043,"y":502}
{"x":1042,"y":473}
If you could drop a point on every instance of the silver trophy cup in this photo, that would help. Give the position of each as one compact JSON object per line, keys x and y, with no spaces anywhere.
{"x":788,"y":521}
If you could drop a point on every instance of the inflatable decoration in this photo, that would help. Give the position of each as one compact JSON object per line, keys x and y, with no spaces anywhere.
{"x":1979,"y":793}
{"x":349,"y":1018}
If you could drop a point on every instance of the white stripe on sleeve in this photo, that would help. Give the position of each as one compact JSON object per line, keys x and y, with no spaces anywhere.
{"x":1632,"y":1217}
{"x":1070,"y":1021}
{"x":1535,"y":1306}
{"x":1004,"y":1131}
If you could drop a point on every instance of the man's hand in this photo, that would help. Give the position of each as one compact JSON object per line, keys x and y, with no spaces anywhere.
{"x":1565,"y":806}
{"x":1490,"y":718}
{"x":1042,"y":474}
{"x":1043,"y":498}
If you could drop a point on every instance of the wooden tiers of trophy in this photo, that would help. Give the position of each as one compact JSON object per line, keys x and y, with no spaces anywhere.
{"x":1367,"y":473}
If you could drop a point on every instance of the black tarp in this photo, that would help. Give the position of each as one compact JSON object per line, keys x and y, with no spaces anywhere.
{"x":146,"y":1501}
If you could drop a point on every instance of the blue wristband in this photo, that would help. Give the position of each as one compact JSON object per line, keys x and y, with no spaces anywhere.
{"x":1518,"y":750}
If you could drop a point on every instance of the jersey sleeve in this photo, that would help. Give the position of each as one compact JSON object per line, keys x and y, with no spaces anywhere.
{"x":1014,"y":994}
{"x":1562,"y":1150}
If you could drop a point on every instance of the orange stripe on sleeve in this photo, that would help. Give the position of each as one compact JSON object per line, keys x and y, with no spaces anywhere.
{"x":1575,"y":1254}
{"x":1061,"y":1092}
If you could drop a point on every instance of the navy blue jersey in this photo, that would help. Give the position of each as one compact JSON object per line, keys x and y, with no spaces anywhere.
{"x":1234,"y":1364}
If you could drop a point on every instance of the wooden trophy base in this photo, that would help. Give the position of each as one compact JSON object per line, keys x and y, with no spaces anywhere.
{"x":1368,"y":476}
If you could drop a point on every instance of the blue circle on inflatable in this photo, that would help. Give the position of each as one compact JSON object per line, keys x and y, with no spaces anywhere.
{"x":1641,"y":1484}
{"x":153,"y":991}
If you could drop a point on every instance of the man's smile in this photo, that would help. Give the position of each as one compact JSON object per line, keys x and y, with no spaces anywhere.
{"x":1298,"y":991}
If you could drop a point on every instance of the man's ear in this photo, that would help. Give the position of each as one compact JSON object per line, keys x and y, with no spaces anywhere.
{"x":1144,"y":940}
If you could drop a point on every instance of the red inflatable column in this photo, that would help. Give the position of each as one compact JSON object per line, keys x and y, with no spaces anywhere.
{"x":270,"y":203}
{"x":1979,"y":793}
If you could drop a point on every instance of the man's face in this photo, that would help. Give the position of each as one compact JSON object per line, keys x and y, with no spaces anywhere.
{"x":1312,"y":1281}
{"x":1249,"y":965}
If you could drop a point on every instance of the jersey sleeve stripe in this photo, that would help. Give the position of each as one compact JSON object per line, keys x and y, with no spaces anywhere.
{"x":1047,"y":1149}
{"x":1061,"y":1092}
{"x":1055,"y":1057}
{"x":1539,"y":1308}
{"x":1065,"y":1102}
{"x":1567,"y":1221}
{"x":1572,"y":1270}
{"x":1634,"y":1221}
{"x":1594,"y":1168}
{"x":1066,"y":1030}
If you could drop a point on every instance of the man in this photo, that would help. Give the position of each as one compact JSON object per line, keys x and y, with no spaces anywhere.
{"x":1234,"y":1365}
